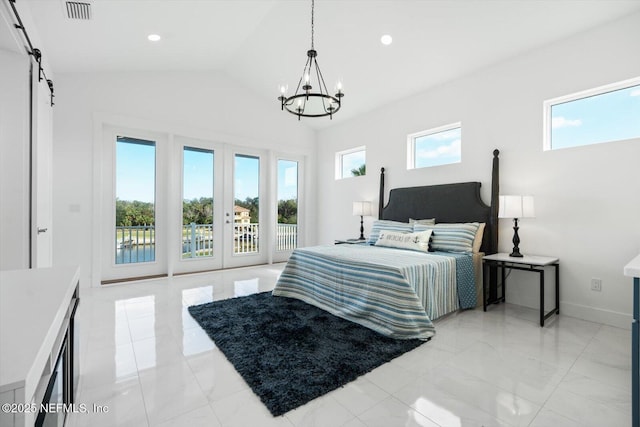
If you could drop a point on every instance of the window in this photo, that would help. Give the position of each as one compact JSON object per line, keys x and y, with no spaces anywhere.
{"x":135,"y":232}
{"x":351,"y":163}
{"x":605,"y":114}
{"x":435,"y":147}
{"x":196,"y":235}
{"x":287,"y":212}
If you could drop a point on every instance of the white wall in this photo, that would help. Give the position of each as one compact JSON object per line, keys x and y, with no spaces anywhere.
{"x":587,"y":199}
{"x":204,"y":105}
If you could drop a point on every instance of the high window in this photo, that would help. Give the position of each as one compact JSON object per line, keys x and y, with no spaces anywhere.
{"x":604,"y":114}
{"x":351,"y":163}
{"x":435,"y":147}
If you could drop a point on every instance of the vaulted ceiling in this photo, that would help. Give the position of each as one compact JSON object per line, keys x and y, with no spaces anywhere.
{"x":264,"y":42}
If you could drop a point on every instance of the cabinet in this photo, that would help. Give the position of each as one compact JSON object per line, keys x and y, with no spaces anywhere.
{"x":38,"y":344}
{"x":633,"y":270}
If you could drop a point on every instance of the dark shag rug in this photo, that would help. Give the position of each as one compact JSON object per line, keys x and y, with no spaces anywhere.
{"x":291,"y":352}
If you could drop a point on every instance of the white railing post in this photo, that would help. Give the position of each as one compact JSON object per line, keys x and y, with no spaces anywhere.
{"x":193,"y":240}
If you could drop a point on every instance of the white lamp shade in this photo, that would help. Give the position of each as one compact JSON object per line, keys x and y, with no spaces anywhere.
{"x":362,"y":208}
{"x":516,"y":207}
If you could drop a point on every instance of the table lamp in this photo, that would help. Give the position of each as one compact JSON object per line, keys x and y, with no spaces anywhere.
{"x":516,"y":207}
{"x":362,"y":209}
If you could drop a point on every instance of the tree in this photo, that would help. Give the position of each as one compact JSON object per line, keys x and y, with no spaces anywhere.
{"x":288,"y":211}
{"x":361,"y":171}
{"x":133,"y":213}
{"x":198,"y":211}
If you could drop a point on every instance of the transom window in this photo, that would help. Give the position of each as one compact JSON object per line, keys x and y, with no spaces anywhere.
{"x":351,"y":163}
{"x":604,"y":114}
{"x":435,"y":147}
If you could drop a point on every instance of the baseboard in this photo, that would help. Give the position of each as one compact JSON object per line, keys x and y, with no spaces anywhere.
{"x":593,"y":314}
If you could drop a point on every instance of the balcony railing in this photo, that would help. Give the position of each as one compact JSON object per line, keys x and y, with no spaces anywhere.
{"x":286,"y":237}
{"x":137,"y":243}
{"x":246,"y":238}
{"x":197,"y":240}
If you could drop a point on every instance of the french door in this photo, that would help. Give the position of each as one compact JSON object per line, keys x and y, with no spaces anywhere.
{"x":221,"y":220}
{"x":133,"y":212}
{"x":245,"y":219}
{"x":198,"y":211}
{"x":174,"y":205}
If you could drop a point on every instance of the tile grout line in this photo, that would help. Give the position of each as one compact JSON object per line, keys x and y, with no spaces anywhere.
{"x":564,"y":376}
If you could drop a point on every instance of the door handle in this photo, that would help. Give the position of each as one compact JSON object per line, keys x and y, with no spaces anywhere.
{"x":42,"y":230}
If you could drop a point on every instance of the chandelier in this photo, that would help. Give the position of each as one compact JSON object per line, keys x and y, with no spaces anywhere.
{"x":305,"y":102}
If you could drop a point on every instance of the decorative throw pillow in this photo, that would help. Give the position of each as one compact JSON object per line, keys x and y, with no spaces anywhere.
{"x":477,"y":242}
{"x":383,"y":224}
{"x":426,"y":221}
{"x":451,"y":237}
{"x":413,"y":241}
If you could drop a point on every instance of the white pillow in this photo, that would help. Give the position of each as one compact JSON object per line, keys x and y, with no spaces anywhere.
{"x":426,"y":221}
{"x":477,"y":241}
{"x":452,"y":237}
{"x":415,"y":241}
{"x":383,"y":224}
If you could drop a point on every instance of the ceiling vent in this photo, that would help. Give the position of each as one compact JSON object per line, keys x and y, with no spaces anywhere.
{"x":78,"y":9}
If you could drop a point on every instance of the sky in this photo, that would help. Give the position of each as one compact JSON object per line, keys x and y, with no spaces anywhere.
{"x":607,"y":117}
{"x":611,"y":116}
{"x":352,"y":161}
{"x":135,"y":170}
{"x":135,"y":173}
{"x":440,"y":148}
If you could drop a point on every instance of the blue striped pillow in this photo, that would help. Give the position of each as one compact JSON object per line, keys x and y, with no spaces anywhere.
{"x":451,"y":237}
{"x":383,"y":224}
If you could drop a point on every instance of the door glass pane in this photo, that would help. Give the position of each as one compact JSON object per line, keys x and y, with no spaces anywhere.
{"x":246,"y":204}
{"x":287,"y":227}
{"x":135,"y":200}
{"x":197,"y":203}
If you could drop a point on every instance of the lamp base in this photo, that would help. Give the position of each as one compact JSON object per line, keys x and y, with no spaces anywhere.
{"x":516,"y":241}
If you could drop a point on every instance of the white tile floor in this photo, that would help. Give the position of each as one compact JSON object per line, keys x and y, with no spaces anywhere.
{"x":148,"y":361}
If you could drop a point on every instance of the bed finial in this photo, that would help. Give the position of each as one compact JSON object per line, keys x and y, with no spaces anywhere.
{"x":496,"y":152}
{"x":381,"y":196}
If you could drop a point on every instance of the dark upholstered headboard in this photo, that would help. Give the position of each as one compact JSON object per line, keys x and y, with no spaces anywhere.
{"x":459,"y":202}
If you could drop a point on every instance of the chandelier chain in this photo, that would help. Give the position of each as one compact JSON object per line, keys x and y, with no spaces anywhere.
{"x":312,"y":28}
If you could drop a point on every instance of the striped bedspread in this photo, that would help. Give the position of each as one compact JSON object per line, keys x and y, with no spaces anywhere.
{"x":393,"y":291}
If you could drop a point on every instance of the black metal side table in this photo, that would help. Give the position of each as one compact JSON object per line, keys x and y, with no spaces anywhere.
{"x":526,"y":263}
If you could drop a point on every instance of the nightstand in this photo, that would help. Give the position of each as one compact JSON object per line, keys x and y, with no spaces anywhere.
{"x":350,"y":242}
{"x":532,"y":263}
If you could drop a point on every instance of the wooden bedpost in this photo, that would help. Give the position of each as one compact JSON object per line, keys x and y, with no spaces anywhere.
{"x":381,"y":198}
{"x":495,"y":197}
{"x":493,"y":244}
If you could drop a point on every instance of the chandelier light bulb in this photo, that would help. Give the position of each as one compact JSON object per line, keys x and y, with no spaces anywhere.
{"x":386,"y":40}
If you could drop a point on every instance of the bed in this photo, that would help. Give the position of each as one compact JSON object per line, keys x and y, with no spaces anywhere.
{"x":400,"y":292}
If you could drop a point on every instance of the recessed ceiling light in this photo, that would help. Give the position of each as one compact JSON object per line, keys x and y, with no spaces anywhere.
{"x":153,"y":37}
{"x":386,"y":39}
